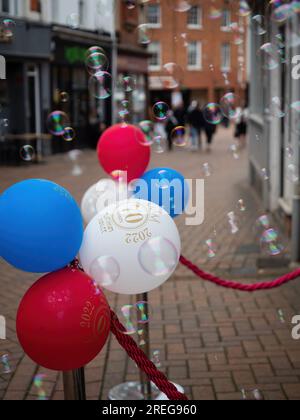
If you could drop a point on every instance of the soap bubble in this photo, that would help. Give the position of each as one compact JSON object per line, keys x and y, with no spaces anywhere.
{"x":161,"y":111}
{"x":158,"y":256}
{"x":57,"y":122}
{"x":27,"y":153}
{"x":213,"y":113}
{"x":100,"y":85}
{"x":270,"y":243}
{"x":230,"y":106}
{"x":105,"y":271}
{"x":270,"y":56}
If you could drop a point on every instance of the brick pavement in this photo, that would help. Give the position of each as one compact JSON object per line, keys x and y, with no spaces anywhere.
{"x":213,"y":341}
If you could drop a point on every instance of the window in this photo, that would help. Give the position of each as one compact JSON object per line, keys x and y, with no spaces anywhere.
{"x":194,"y":17}
{"x":226,"y":57}
{"x":81,"y":12}
{"x":226,"y":19}
{"x":155,"y":60}
{"x":5,"y":6}
{"x":153,"y":15}
{"x":55,"y":11}
{"x":9,"y":7}
{"x":35,"y":6}
{"x":194,"y":50}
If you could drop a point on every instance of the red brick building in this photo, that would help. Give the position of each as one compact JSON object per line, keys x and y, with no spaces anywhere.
{"x":208,"y":42}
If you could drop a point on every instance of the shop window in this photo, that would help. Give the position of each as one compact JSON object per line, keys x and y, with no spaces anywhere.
{"x":4,"y":6}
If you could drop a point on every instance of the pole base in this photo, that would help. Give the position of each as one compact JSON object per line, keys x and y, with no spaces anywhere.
{"x":131,"y":391}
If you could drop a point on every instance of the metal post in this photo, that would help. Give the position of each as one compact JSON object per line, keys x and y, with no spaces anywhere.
{"x":296,"y":225}
{"x":74,"y":385}
{"x":146,"y":386}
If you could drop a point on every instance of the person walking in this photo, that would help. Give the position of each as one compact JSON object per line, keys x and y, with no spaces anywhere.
{"x":172,"y":123}
{"x":195,"y":121}
{"x":241,"y":128}
{"x":210,"y":131}
{"x":180,"y":115}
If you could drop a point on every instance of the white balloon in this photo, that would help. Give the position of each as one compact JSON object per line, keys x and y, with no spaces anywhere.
{"x":126,"y":233}
{"x":101,"y":195}
{"x":88,"y":204}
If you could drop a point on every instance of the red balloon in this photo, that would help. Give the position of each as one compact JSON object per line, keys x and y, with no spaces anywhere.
{"x":123,"y":148}
{"x":63,"y":321}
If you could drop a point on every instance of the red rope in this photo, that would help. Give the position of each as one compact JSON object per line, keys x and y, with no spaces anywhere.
{"x":139,"y":357}
{"x":239,"y":286}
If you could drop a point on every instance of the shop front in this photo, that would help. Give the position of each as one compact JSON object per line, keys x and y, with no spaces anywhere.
{"x":133,"y":63}
{"x":24,"y":94}
{"x":70,"y":81}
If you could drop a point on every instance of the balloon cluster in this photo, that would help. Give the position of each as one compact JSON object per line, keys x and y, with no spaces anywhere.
{"x":131,"y":245}
{"x":63,"y":322}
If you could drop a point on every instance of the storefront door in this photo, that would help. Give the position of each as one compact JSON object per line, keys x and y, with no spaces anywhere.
{"x":33,"y":99}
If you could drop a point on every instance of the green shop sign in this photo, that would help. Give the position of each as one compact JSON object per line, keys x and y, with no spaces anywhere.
{"x":75,"y":55}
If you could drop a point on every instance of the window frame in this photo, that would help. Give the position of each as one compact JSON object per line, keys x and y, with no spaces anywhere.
{"x":226,"y":28}
{"x":158,"y":24}
{"x":199,"y":25}
{"x":199,"y":49}
{"x":12,"y":8}
{"x":158,"y":66}
{"x":225,"y":69}
{"x":33,"y":14}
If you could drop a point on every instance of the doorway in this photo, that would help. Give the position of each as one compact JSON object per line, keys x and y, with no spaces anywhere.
{"x":34,"y":123}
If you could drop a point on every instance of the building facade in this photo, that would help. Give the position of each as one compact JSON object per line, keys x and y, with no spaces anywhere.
{"x":89,"y":15}
{"x":207,"y":43}
{"x":132,"y":61}
{"x":44,"y":44}
{"x":275,"y":117}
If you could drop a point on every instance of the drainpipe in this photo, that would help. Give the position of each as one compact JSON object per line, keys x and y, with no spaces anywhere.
{"x":114,"y":70}
{"x":296,"y":223}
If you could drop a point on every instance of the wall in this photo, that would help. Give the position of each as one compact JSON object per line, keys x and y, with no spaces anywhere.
{"x":211,"y":36}
{"x":270,"y":137}
{"x":98,"y":14}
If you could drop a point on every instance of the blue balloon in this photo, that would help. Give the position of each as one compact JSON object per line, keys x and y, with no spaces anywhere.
{"x":41,"y":226}
{"x":164,"y":187}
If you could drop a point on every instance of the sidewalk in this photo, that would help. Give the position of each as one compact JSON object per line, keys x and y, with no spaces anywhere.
{"x":215,"y":342}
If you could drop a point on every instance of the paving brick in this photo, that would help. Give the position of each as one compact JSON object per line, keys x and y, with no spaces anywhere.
{"x":262,"y":370}
{"x":177,"y":372}
{"x":198,"y":365}
{"x":292,"y":391}
{"x":176,"y":348}
{"x":243,"y":378}
{"x":280,"y":363}
{"x":223,"y":385}
{"x":203,"y":393}
{"x":274,"y":396}
{"x":230,"y":396}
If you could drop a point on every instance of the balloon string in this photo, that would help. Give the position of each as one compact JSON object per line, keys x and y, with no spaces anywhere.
{"x":142,"y":361}
{"x":236,"y":285}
